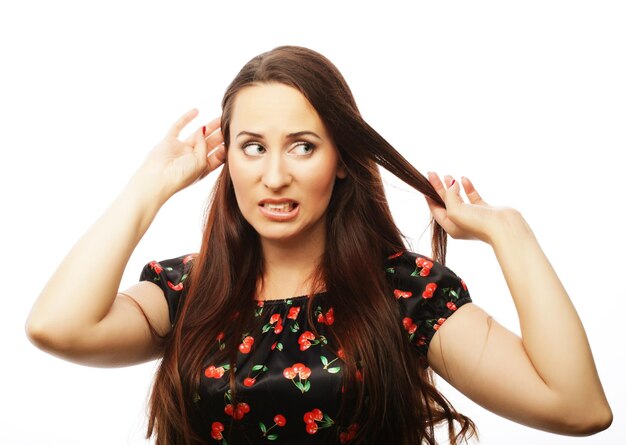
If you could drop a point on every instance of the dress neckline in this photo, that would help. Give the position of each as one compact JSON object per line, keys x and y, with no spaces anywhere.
{"x":284,"y":300}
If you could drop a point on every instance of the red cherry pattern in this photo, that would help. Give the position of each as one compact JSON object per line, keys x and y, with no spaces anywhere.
{"x":216,"y":430}
{"x":258,"y":310}
{"x":279,"y":421}
{"x":303,"y":373}
{"x":432,"y":289}
{"x":156,"y":267}
{"x":275,"y":323}
{"x":328,"y":318}
{"x":213,"y":372}
{"x":358,"y":375}
{"x":249,"y":381}
{"x":341,"y":354}
{"x":311,"y":419}
{"x":293,"y":312}
{"x":307,"y":339}
{"x":395,"y":255}
{"x":347,"y":436}
{"x":402,"y":294}
{"x":176,"y":287}
{"x":408,"y":324}
{"x":423,"y":267}
{"x":237,"y":412}
{"x":219,"y":339}
{"x":246,"y":345}
{"x":275,"y":318}
{"x":189,"y":258}
{"x":439,"y":323}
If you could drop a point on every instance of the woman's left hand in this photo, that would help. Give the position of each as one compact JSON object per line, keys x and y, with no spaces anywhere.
{"x":461,"y":220}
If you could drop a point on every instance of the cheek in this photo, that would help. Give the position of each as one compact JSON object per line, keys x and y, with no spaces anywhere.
{"x":238,"y":180}
{"x":321,"y":182}
{"x":237,"y":171}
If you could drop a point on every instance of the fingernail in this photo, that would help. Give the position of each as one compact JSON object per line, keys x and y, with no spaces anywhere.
{"x":452,"y":183}
{"x":204,"y":130}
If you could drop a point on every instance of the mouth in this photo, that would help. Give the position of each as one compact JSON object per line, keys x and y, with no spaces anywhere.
{"x":279,"y":210}
{"x":279,"y":207}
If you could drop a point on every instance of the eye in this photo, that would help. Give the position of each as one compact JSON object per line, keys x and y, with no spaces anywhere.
{"x":253,"y":149}
{"x":302,"y":149}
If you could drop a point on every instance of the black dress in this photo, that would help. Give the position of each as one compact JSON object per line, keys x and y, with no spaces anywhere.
{"x":288,"y":382}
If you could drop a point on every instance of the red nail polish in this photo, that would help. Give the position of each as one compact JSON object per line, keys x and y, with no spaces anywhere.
{"x":452,"y":183}
{"x":204,"y":130}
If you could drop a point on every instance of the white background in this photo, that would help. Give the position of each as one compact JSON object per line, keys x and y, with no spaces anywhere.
{"x":528,"y":99}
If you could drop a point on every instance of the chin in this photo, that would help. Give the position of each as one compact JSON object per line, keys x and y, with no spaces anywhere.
{"x":278,"y":235}
{"x":285,"y":233}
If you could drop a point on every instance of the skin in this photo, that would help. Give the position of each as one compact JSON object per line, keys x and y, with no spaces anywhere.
{"x":551,"y":381}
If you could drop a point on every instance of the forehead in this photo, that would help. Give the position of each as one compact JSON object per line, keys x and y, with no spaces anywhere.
{"x":273,"y":107}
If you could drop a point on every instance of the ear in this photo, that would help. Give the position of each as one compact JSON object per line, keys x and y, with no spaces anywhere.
{"x":341,"y":171}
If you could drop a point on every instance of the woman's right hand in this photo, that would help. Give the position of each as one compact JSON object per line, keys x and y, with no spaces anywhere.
{"x":177,"y":164}
{"x":88,"y":320}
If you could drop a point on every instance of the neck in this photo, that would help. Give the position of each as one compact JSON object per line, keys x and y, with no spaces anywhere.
{"x":289,"y":266}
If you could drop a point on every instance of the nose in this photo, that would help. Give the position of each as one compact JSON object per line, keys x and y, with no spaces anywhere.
{"x":276,"y":173}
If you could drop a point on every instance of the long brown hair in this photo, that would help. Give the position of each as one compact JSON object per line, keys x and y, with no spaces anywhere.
{"x":392,"y":400}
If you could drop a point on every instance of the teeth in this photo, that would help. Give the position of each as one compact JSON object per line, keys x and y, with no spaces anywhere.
{"x":285,"y":207}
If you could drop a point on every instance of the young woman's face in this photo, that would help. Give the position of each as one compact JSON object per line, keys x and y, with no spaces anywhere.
{"x":282,"y":163}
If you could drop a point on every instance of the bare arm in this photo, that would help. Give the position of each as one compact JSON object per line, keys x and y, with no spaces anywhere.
{"x":80,"y":315}
{"x":546,"y":379}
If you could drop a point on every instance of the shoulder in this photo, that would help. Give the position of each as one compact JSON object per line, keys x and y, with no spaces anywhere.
{"x":414,"y":269}
{"x":427,"y":292}
{"x":171,"y":276}
{"x":171,"y":270}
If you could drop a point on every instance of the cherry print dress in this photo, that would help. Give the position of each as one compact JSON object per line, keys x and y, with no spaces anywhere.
{"x":288,"y":382}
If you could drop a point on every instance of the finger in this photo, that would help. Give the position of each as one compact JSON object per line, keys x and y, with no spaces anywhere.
{"x":216,"y":157}
{"x":214,"y":139}
{"x":450,"y":181}
{"x":471,"y":192}
{"x":199,"y":146}
{"x":439,"y":213}
{"x":433,"y":178}
{"x":453,"y":195}
{"x":435,"y":208}
{"x":213,"y":125}
{"x":209,"y":131}
{"x":175,"y":129}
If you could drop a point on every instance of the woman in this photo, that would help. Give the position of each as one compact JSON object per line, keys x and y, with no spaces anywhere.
{"x":303,"y":319}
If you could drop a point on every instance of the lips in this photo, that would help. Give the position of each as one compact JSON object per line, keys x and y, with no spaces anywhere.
{"x":279,"y":209}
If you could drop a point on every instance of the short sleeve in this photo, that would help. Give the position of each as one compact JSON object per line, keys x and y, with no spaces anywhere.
{"x":427,"y":292}
{"x":170,"y":275}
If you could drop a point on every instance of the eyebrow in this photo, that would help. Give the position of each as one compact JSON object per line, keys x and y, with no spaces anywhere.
{"x":289,"y":136}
